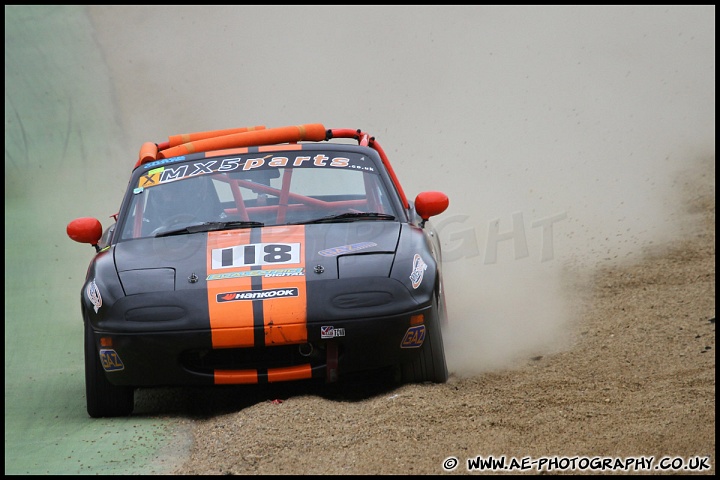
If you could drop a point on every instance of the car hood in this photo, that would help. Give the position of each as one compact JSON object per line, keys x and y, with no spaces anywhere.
{"x":318,"y":251}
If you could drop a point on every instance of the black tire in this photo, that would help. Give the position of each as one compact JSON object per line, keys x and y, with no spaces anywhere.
{"x":103,"y":398}
{"x":430,"y":365}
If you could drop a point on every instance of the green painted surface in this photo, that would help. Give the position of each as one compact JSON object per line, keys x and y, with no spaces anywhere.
{"x":61,"y":161}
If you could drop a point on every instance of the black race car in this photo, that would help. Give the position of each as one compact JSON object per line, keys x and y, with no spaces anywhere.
{"x":256,"y":255}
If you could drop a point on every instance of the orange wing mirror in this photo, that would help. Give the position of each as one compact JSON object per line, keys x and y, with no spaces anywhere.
{"x":85,"y":230}
{"x":428,"y":204}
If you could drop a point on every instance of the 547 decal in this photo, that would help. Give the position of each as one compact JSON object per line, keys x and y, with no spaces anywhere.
{"x":255,"y":254}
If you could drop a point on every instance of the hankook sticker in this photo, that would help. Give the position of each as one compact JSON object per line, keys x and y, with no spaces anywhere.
{"x":257,"y":294}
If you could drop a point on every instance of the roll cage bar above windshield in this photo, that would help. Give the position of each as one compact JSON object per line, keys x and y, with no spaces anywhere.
{"x":255,"y":136}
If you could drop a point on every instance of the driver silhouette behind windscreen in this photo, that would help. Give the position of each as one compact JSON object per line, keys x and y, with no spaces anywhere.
{"x":182,"y":202}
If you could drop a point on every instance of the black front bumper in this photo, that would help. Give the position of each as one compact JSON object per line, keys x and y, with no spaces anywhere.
{"x":333,"y":349}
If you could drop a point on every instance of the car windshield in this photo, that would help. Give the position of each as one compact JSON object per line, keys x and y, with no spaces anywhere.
{"x":280,"y":188}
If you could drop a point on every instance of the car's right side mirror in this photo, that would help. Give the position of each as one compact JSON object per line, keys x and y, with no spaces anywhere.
{"x":428,"y":204}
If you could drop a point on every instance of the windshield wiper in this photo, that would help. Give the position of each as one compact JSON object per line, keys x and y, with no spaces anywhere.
{"x":210,"y":227}
{"x":351,"y":217}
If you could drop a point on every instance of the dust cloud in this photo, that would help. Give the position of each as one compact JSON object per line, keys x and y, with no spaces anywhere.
{"x":557,"y":132}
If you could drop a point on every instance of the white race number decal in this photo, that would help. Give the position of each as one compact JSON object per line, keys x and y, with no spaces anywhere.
{"x":256,"y":254}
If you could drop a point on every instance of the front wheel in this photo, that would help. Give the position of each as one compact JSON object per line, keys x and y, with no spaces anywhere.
{"x":430,"y":365}
{"x":103,"y":398}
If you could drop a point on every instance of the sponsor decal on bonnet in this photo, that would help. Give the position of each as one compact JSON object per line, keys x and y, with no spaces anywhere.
{"x":335,"y":251}
{"x":257,"y":294}
{"x":278,"y":272}
{"x":93,"y":293}
{"x":418,"y":271}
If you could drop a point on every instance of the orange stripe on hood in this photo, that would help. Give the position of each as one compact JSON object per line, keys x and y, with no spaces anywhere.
{"x":231,"y":323}
{"x":285,"y":319}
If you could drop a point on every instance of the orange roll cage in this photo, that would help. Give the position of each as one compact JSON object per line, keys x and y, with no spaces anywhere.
{"x":255,"y":136}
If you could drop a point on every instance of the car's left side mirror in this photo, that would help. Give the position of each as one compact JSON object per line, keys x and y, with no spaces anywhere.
{"x":85,"y":230}
{"x":428,"y":204}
